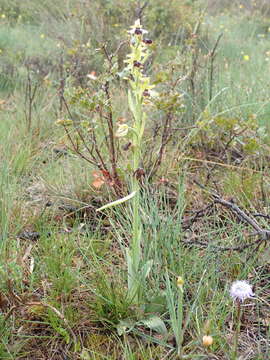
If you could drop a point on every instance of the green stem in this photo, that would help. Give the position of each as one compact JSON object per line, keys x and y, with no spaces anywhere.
{"x":137,"y":270}
{"x":135,"y":251}
{"x":180,"y":320}
{"x":237,"y":330}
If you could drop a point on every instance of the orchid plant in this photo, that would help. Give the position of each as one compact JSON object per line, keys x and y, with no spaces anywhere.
{"x":140,"y":89}
{"x":138,"y":94}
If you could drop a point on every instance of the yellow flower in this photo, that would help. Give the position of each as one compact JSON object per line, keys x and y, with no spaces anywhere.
{"x":42,"y":36}
{"x":246,"y":57}
{"x":3,"y":16}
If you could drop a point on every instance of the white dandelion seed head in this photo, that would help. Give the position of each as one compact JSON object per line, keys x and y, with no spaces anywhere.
{"x":241,"y":290}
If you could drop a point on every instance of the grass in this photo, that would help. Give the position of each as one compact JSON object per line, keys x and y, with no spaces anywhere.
{"x":63,"y":273}
{"x":243,"y":63}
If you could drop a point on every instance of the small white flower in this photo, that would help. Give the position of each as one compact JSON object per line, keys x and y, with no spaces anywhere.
{"x":241,"y":290}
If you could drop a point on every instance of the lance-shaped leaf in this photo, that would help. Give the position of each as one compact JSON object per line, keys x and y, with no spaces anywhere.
{"x":131,"y":103}
{"x":155,"y":323}
{"x":117,"y":202}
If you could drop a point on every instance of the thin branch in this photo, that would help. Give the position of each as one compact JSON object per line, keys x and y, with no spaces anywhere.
{"x":90,"y":151}
{"x":264,"y":234}
{"x":75,"y":148}
{"x":212,"y":56}
{"x":239,"y":248}
{"x":111,"y":138}
{"x":140,"y":9}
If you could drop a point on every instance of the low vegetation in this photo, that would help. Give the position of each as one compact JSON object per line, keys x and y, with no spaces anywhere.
{"x":134,"y":179}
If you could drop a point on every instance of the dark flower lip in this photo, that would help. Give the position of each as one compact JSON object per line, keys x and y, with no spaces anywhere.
{"x":146,"y":93}
{"x":138,"y":31}
{"x":148,"y":41}
{"x":137,"y":64}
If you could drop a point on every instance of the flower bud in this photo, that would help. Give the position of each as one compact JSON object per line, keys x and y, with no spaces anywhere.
{"x":207,"y":340}
{"x":180,"y":282}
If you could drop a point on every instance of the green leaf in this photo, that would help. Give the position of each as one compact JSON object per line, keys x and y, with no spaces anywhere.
{"x":156,"y":304}
{"x":125,"y":326}
{"x":155,"y":323}
{"x":142,"y":125}
{"x":85,"y":355}
{"x":131,"y":104}
{"x":123,"y":74}
{"x":146,"y":269}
